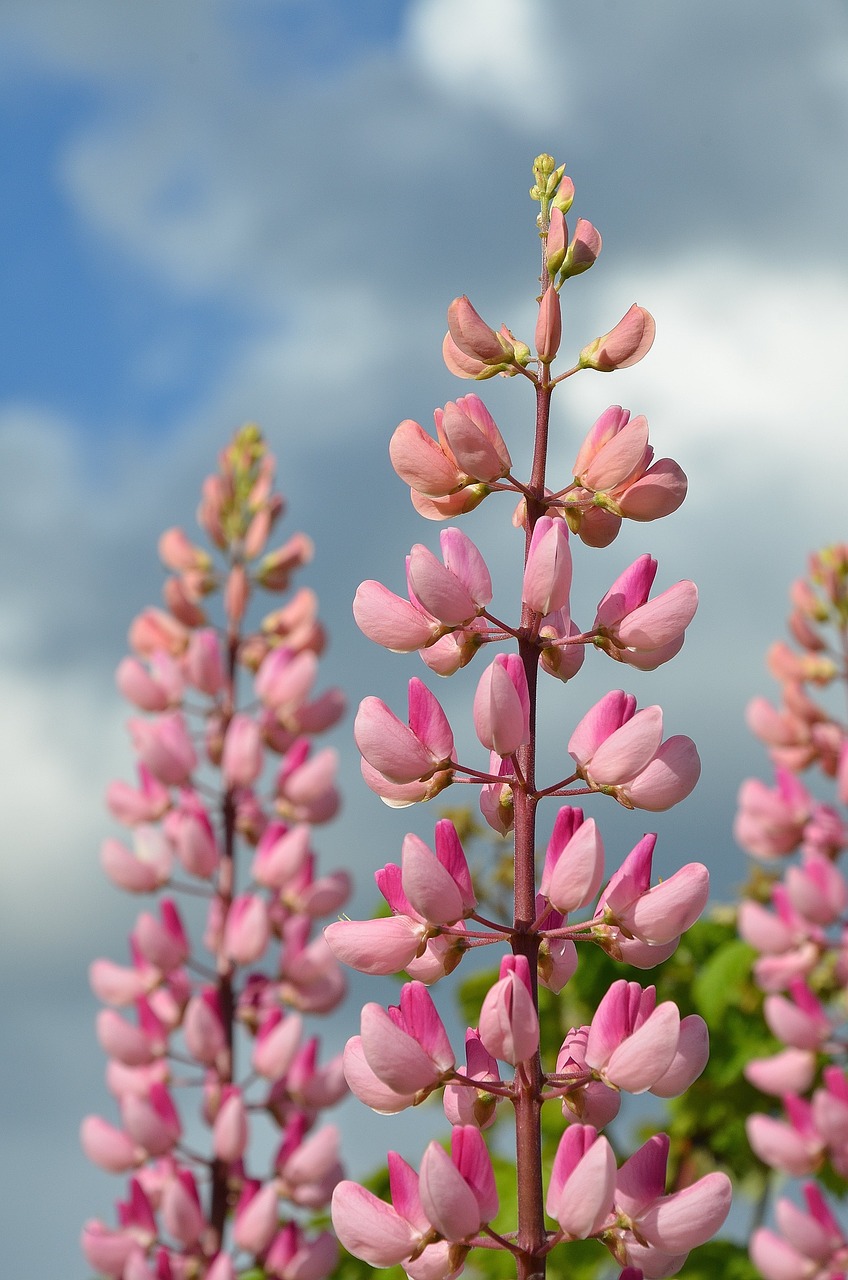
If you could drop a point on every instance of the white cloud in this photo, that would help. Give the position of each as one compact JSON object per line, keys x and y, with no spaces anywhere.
{"x":492,"y":55}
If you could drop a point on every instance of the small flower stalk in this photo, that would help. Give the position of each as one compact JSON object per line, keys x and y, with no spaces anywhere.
{"x":210,"y":1058}
{"x":636,"y":1042}
{"x":795,"y":916}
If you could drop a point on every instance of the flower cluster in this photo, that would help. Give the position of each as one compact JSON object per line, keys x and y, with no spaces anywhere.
{"x":634,"y":1042}
{"x":202,"y":1019}
{"x":797,"y":920}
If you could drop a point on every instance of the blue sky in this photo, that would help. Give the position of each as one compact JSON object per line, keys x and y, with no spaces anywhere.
{"x":228,"y":210}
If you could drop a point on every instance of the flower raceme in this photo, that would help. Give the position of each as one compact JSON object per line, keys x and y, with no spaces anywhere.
{"x":398,"y":754}
{"x":620,"y":751}
{"x":182,"y":1013}
{"x":635,"y":1042}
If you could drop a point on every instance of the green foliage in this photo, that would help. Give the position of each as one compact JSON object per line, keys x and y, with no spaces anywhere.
{"x":719,"y":1258}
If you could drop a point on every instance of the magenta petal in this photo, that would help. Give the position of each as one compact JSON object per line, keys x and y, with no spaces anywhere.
{"x":471,"y":1157}
{"x":609,"y":1025}
{"x":641,"y":1179}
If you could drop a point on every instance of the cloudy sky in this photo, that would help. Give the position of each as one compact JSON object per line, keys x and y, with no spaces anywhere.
{"x":221,"y":210}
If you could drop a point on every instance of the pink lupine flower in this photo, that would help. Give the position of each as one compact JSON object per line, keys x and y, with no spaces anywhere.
{"x":633,"y":1041}
{"x":256,"y":1216}
{"x":671,"y":1224}
{"x":657,"y":493}
{"x":547,"y":573}
{"x":423,"y":463}
{"x":583,"y":250}
{"x":108,"y":1251}
{"x":639,"y":632}
{"x":509,"y":1025}
{"x":582,"y":1186}
{"x":400,"y":753}
{"x":655,"y":915}
{"x":305,"y":784}
{"x":285,"y":679}
{"x":143,"y":871}
{"x":496,"y":800}
{"x":379,"y":1233}
{"x":574,"y":861}
{"x":790,"y":1071}
{"x":770,"y":821}
{"x":623,"y":753}
{"x":693,"y":1052}
{"x":467,"y":431}
{"x":438,"y":885}
{"x":817,"y":889}
{"x":145,"y":803}
{"x":292,"y":1256}
{"x":179,"y":1206}
{"x":800,"y":1021}
{"x":162,"y":943}
{"x":131,"y":1045}
{"x":464,"y":1105}
{"x":241,"y":761}
{"x":277,"y":1041}
{"x":830,"y":1115}
{"x":615,"y":449}
{"x":592,"y":1102}
{"x":203,"y":1028}
{"x":502,"y":705}
{"x":190,"y":830}
{"x":389,"y":620}
{"x":473,"y":336}
{"x":549,"y":325}
{"x":458,"y":1192}
{"x":307,"y":1165}
{"x":794,"y":1145}
{"x":150,"y":690}
{"x":153,"y":631}
{"x":557,"y":960}
{"x":281,"y":854}
{"x":454,"y":592}
{"x":626,"y":344}
{"x":368,"y":1087}
{"x":557,"y":658}
{"x":152,"y":1121}
{"x":109,"y":1147}
{"x":407,"y":1047}
{"x":203,"y":663}
{"x":164,"y":746}
{"x":380,"y":946}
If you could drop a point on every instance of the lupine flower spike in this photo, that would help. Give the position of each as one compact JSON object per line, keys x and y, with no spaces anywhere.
{"x":636,"y":1041}
{"x":189,"y":1031}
